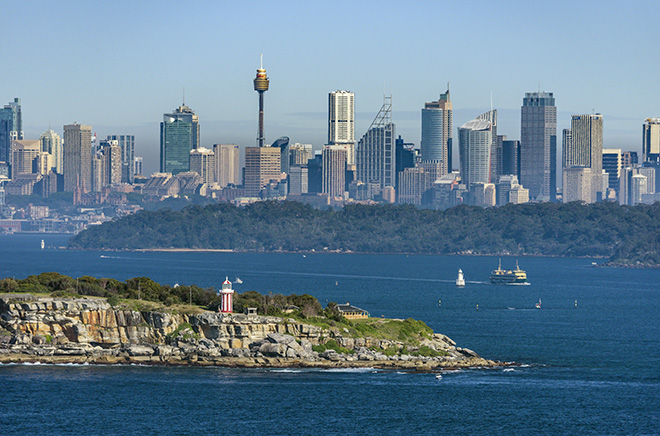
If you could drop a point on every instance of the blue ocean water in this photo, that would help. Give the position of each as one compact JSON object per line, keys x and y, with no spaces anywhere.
{"x":594,"y":369}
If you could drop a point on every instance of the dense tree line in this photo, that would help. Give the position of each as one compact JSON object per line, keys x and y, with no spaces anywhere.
{"x":624,"y":234}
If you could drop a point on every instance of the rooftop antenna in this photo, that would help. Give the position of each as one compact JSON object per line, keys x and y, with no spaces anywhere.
{"x":184,"y":96}
{"x":539,"y":86}
{"x":491,"y":101}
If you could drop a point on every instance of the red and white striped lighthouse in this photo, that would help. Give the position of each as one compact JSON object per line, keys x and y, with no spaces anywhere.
{"x":227,"y":295}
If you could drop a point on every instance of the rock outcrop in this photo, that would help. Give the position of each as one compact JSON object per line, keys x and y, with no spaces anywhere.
{"x":90,"y":330}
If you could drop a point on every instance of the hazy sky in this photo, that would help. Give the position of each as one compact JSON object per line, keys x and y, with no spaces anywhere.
{"x":120,"y":65}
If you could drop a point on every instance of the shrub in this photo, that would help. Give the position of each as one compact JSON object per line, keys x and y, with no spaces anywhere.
{"x":113,"y":300}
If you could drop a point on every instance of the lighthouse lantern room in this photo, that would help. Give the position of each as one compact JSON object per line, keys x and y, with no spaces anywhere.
{"x":227,"y":294}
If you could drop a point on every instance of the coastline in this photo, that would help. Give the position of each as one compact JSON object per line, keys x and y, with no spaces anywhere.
{"x":257,"y":362}
{"x":90,"y":330}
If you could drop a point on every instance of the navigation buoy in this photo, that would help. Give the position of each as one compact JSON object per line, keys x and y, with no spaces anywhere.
{"x":477,"y":308}
{"x":576,"y":304}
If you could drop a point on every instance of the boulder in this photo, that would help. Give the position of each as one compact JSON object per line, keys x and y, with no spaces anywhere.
{"x":278,"y":338}
{"x":331,"y":355}
{"x":273,"y":350}
{"x":466,"y":352}
{"x":139,"y":350}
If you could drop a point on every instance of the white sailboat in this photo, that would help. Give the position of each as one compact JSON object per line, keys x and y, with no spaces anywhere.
{"x":460,"y":281}
{"x":43,"y":244}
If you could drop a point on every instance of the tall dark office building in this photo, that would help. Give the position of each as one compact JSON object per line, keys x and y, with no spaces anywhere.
{"x":437,"y":128}
{"x":405,"y":157}
{"x":179,"y":133}
{"x":11,"y":128}
{"x":283,"y":144}
{"x":651,"y":140}
{"x":538,"y":145}
{"x":315,"y":174}
{"x":510,"y":158}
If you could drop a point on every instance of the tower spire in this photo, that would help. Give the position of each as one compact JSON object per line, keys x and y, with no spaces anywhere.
{"x":261,"y":85}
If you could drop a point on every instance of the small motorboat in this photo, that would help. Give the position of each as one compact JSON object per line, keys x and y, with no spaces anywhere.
{"x":238,"y":281}
{"x":538,"y":305}
{"x":438,"y":376}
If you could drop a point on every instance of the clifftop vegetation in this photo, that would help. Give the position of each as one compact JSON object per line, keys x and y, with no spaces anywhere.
{"x":627,"y":235}
{"x":144,"y":295}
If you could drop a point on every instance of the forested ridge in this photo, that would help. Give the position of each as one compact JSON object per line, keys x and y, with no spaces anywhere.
{"x":625,"y":234}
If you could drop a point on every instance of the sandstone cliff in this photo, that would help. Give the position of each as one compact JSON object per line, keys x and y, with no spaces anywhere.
{"x":90,"y":330}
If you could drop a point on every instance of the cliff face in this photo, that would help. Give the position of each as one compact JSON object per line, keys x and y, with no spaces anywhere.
{"x":90,"y":330}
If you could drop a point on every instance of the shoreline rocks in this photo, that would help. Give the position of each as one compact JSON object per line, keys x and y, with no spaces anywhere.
{"x":89,"y":330}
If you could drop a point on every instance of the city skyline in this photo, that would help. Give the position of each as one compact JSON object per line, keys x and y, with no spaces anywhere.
{"x":113,"y":97}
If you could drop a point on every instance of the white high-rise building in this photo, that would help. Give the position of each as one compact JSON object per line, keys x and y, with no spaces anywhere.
{"x":202,"y":161}
{"x":341,"y":122}
{"x":51,"y":143}
{"x":475,"y":139}
{"x":227,"y":169}
{"x":637,"y":188}
{"x":577,"y":183}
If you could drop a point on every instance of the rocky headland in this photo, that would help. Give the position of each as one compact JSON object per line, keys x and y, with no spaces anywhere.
{"x":90,"y":330}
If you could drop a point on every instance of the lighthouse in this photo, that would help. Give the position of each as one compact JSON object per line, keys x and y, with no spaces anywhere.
{"x":227,"y":295}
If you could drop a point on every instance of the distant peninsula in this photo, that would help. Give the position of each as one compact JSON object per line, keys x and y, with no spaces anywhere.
{"x":51,"y":318}
{"x":625,"y":235}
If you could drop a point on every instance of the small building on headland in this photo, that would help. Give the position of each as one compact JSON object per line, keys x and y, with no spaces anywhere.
{"x":352,"y":312}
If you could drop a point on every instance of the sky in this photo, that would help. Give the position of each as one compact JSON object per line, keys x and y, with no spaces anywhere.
{"x":121,"y":65}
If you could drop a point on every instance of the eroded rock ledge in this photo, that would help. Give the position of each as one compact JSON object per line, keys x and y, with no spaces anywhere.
{"x":51,"y":330}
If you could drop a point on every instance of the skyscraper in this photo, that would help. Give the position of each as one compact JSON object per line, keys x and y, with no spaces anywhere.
{"x":651,"y":140}
{"x":334,"y":170}
{"x":262,"y":165}
{"x":437,"y":132}
{"x":283,"y":144}
{"x":127,"y":146}
{"x":52,"y":143}
{"x":474,"y":146}
{"x":202,"y":161}
{"x":577,"y":181}
{"x":25,"y":157}
{"x":77,"y":157}
{"x":11,"y":128}
{"x":375,"y":156}
{"x":612,"y":164}
{"x":227,"y":169}
{"x":107,"y":165}
{"x":566,"y":144}
{"x":261,"y":83}
{"x":495,"y":145}
{"x":341,"y":122}
{"x":538,"y":145}
{"x":586,"y":147}
{"x":510,"y":158}
{"x":179,"y":133}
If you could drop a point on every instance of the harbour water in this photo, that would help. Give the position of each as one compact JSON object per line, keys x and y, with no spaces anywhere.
{"x":590,"y":369}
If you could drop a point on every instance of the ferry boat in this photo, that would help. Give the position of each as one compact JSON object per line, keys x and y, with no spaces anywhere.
{"x":502,"y":276}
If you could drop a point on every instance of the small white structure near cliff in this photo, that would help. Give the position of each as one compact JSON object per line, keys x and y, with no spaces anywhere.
{"x":227,"y":294}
